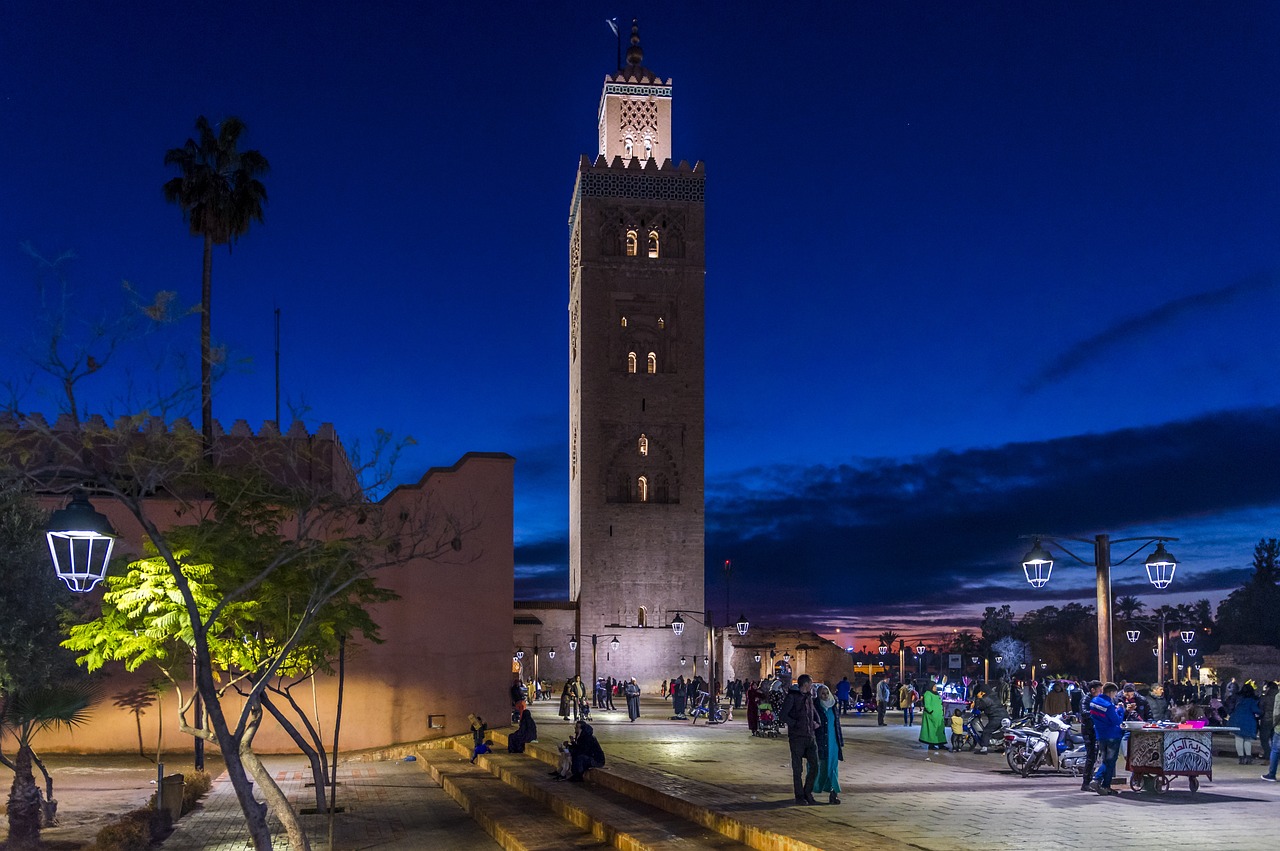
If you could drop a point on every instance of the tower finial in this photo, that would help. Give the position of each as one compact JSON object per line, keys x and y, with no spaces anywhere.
{"x":635,"y":56}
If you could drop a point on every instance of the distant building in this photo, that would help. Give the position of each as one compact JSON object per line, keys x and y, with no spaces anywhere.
{"x":636,"y":374}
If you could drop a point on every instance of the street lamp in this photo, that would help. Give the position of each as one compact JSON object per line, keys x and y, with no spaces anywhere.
{"x":613,"y":645}
{"x":551,"y":653}
{"x":1188,"y":636}
{"x":1191,"y":651}
{"x":80,"y":543}
{"x":677,"y":624}
{"x":1037,"y":564}
{"x":1132,"y":635}
{"x":742,"y":625}
{"x":519,"y":653}
{"x":884,"y":649}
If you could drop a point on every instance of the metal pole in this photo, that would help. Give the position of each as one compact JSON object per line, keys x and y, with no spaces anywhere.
{"x":593,"y":664}
{"x":1102,"y":558}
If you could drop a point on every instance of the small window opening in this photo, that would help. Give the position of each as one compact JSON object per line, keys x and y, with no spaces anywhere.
{"x":662,"y":323}
{"x":653,"y":244}
{"x":631,"y":362}
{"x":628,"y":144}
{"x":648,"y":147}
{"x":624,"y":322}
{"x":644,"y":445}
{"x":652,"y":361}
{"x":641,"y":617}
{"x":633,"y":243}
{"x":642,"y":489}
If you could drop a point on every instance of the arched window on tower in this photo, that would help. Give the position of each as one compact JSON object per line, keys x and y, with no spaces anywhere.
{"x":642,"y":617}
{"x":653,"y":245}
{"x":662,"y":323}
{"x":631,"y":362}
{"x":642,"y":489}
{"x":628,"y":144}
{"x":653,"y":363}
{"x":648,"y":147}
{"x":644,"y":445}
{"x":624,"y":322}
{"x":633,"y":243}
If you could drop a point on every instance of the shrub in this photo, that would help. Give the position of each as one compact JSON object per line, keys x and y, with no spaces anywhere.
{"x":196,"y":786}
{"x":134,"y":831}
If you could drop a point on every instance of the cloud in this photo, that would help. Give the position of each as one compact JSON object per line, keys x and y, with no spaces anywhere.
{"x":542,"y":569}
{"x":1135,"y":328}
{"x":946,"y":527}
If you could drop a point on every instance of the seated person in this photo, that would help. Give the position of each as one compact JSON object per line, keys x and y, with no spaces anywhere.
{"x":528,"y":732}
{"x":583,"y":752}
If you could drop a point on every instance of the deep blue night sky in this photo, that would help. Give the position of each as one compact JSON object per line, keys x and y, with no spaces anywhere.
{"x":974,"y":270}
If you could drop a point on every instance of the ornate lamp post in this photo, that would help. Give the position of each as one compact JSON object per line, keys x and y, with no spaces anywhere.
{"x":1037,"y":564}
{"x":80,"y":543}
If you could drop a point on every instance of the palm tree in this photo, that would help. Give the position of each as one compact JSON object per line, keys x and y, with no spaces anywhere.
{"x":887,"y":638}
{"x":220,"y":195}
{"x":22,"y":716}
{"x":1128,"y":607}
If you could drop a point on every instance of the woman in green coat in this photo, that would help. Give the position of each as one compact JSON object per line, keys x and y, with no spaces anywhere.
{"x":932,"y":722}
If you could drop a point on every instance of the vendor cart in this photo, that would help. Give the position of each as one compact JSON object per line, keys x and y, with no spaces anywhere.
{"x":1158,"y":754}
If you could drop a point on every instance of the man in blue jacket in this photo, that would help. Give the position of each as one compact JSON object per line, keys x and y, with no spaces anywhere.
{"x":1108,"y":721}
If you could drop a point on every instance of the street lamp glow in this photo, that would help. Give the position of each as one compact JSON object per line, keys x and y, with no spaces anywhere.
{"x":519,"y":653}
{"x":613,"y":645}
{"x":920,"y":649}
{"x":551,"y":653}
{"x":1191,"y":651}
{"x":677,"y":625}
{"x":757,"y":657}
{"x":999,"y":659}
{"x":1037,"y":564}
{"x":573,"y":644}
{"x":786,"y":657}
{"x":80,"y":543}
{"x":681,"y":660}
{"x":1160,"y":566}
{"x":1188,"y":636}
{"x":1132,"y":635}
{"x":884,"y":649}
{"x":743,"y":624}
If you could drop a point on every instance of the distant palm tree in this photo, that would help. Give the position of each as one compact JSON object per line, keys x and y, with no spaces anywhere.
{"x":887,"y":638}
{"x":220,"y":195}
{"x":1128,"y":607}
{"x":22,"y":716}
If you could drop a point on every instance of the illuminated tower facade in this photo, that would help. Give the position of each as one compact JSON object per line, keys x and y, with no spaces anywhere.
{"x":636,"y":322}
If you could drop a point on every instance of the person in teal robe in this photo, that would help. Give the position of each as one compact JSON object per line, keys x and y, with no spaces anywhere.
{"x":932,"y":723}
{"x":830,"y":746}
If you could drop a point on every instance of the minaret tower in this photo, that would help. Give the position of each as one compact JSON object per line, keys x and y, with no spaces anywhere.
{"x":636,"y":317}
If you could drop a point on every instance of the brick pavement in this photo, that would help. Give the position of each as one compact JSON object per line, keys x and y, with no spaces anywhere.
{"x":389,"y":805}
{"x":896,"y":796}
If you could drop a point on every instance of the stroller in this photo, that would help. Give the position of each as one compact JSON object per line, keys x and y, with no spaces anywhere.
{"x":768,"y":724}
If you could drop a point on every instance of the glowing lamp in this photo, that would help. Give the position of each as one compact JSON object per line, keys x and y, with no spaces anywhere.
{"x":742,"y":624}
{"x":1155,"y":651}
{"x":1037,"y":564}
{"x":1188,"y":636}
{"x":1160,"y":566}
{"x":1191,"y":651}
{"x":786,"y":657}
{"x":613,"y":645}
{"x":884,"y":649}
{"x":681,"y":660}
{"x":920,"y":649}
{"x":757,"y":657}
{"x":677,"y":625}
{"x":551,"y":653}
{"x":80,"y":543}
{"x":519,"y":653}
{"x":573,"y":644}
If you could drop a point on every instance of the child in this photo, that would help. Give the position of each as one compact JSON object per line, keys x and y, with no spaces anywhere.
{"x":957,"y":729}
{"x":484,"y":747}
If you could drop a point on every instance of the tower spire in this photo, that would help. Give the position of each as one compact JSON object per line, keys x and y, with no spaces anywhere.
{"x":635,"y":55}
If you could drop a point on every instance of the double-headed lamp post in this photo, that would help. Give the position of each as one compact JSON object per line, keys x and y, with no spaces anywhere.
{"x":1038,"y":564}
{"x":677,"y":626}
{"x":613,"y":645}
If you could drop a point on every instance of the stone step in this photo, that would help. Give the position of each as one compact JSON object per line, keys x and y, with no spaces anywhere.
{"x":759,"y":826}
{"x":612,"y":817}
{"x":504,"y":815}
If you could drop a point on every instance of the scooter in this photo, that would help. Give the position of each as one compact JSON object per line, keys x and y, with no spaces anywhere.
{"x":1054,"y":746}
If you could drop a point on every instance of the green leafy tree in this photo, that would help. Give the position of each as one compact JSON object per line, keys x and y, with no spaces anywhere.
{"x":997,"y":624}
{"x":1251,"y":613}
{"x":36,"y":674}
{"x":220,"y":195}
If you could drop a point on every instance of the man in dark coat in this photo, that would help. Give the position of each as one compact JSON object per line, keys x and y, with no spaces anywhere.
{"x":801,"y":717}
{"x":992,"y":713}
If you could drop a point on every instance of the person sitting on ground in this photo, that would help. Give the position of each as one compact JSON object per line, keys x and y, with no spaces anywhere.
{"x":527,"y":732}
{"x":484,"y":747}
{"x":957,"y":729}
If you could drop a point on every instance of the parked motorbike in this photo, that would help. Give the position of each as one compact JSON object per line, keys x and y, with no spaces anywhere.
{"x":1016,"y":740}
{"x":1055,"y":746}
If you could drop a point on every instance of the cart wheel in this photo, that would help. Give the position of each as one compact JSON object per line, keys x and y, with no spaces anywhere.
{"x":1194,"y":783}
{"x":1162,"y":783}
{"x":1135,"y":782}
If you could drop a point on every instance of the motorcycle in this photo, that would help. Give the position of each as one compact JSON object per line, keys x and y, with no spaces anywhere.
{"x":1016,"y":740}
{"x":1056,"y":746}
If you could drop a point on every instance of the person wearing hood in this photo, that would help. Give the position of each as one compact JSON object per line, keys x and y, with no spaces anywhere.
{"x":830,"y":746}
{"x":1245,"y":716}
{"x":526,"y":733}
{"x":932,"y":723}
{"x":584,"y":752}
{"x":632,"y":691}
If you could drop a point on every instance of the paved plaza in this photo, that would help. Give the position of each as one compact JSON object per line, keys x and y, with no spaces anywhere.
{"x":896,"y":795}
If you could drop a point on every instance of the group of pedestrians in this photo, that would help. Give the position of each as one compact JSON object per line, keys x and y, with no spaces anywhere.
{"x":816,"y":740}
